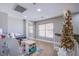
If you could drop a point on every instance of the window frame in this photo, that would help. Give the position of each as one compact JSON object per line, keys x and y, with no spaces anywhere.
{"x":40,"y":31}
{"x":46,"y":30}
{"x":31,"y":28}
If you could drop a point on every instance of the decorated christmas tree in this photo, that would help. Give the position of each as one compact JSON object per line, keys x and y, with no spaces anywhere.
{"x":67,"y":38}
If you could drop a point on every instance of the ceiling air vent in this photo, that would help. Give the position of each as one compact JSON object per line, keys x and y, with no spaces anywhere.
{"x":20,"y":9}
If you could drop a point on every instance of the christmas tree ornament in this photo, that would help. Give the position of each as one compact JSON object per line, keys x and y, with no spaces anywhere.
{"x":67,"y":38}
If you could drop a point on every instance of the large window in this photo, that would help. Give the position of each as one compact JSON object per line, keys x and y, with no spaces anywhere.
{"x":41,"y":30}
{"x":49,"y":30}
{"x":31,"y":29}
{"x":46,"y":30}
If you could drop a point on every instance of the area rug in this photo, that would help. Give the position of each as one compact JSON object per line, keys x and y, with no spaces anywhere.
{"x":37,"y":52}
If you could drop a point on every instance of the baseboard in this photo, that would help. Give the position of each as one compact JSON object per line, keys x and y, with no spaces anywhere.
{"x":45,"y":40}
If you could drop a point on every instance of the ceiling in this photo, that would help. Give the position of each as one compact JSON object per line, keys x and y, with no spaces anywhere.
{"x":47,"y":10}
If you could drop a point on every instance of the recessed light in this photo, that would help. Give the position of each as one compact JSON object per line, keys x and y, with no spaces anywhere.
{"x":38,"y":10}
{"x":25,"y":16}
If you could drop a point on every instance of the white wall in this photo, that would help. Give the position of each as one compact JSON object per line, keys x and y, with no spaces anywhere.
{"x":15,"y":25}
{"x":75,"y":23}
{"x":3,"y":21}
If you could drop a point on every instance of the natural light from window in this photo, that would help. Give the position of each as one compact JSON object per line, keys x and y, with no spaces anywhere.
{"x":31,"y":29}
{"x":45,"y":30}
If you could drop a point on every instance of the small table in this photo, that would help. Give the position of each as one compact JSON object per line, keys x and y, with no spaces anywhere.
{"x":29,"y":46}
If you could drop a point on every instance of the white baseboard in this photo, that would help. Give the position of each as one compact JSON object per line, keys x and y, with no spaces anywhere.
{"x":45,"y":40}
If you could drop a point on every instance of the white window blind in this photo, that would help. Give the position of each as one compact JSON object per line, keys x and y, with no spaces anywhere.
{"x":46,"y":30}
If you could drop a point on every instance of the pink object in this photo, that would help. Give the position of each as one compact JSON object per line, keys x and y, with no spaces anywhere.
{"x":2,"y":36}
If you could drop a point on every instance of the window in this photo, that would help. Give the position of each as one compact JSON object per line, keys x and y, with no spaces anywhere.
{"x":49,"y":30}
{"x":46,"y":30}
{"x":41,"y":29}
{"x":31,"y":29}
{"x":1,"y":31}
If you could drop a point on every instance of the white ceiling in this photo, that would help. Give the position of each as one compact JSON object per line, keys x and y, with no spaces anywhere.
{"x":48,"y":10}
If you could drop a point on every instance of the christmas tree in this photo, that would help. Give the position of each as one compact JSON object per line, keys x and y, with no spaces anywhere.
{"x":67,"y":38}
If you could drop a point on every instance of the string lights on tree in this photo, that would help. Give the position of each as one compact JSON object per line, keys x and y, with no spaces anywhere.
{"x":67,"y":37}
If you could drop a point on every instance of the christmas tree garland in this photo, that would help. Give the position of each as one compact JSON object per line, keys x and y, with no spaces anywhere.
{"x":67,"y":38}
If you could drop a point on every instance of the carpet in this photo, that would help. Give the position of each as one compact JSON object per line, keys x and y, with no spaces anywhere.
{"x":39,"y":49}
{"x":37,"y":52}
